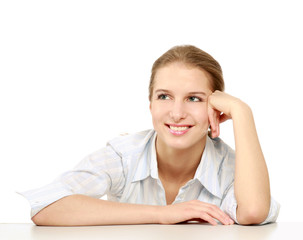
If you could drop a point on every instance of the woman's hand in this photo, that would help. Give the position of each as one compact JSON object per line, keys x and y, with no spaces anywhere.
{"x":193,"y":210}
{"x":221,"y":107}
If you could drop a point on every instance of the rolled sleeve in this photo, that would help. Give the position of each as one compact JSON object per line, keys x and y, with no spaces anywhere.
{"x":229,"y":203}
{"x":273,"y":212}
{"x":229,"y":206}
{"x":44,"y":196}
{"x":95,"y":176}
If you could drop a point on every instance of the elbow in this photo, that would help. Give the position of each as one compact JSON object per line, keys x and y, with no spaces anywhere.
{"x":252,"y":216}
{"x":39,"y":219}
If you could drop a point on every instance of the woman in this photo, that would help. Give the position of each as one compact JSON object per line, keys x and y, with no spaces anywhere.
{"x":176,"y":172}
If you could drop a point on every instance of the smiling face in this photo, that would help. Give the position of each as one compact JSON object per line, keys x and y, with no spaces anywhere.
{"x":179,"y":106}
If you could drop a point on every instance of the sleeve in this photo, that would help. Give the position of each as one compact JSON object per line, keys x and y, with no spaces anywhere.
{"x":229,"y":206}
{"x":95,"y":176}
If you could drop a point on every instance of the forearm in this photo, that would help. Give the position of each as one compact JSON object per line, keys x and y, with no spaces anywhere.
{"x":77,"y":210}
{"x":80,"y":210}
{"x":252,"y":189}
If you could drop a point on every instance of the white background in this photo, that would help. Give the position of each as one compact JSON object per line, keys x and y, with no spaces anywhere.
{"x":75,"y":74}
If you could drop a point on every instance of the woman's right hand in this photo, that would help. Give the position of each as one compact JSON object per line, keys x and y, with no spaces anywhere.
{"x":193,"y":210}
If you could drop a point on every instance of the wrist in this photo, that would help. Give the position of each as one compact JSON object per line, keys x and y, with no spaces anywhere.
{"x":240,"y":108}
{"x":158,"y":216}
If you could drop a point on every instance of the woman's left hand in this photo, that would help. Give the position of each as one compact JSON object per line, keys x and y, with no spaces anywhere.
{"x":220,"y":108}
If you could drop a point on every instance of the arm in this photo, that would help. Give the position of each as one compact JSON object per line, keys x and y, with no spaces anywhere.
{"x":252,"y":189}
{"x":81,"y":210}
{"x":77,"y":210}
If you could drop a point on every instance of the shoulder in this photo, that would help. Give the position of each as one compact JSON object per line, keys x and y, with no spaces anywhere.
{"x":119,"y":152}
{"x":131,"y":143}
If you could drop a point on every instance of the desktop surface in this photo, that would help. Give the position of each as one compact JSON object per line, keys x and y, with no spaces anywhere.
{"x":26,"y":231}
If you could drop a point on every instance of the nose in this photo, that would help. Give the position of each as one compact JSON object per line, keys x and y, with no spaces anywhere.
{"x":178,"y":111}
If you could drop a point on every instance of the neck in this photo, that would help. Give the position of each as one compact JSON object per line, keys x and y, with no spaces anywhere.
{"x":179,"y":165}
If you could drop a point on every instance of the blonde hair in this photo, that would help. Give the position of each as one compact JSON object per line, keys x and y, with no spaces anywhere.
{"x":191,"y":56}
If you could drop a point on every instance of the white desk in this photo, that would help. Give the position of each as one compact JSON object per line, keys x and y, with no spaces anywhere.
{"x":276,"y":231}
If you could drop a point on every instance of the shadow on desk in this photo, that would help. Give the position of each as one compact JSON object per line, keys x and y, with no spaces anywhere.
{"x":155,"y":232}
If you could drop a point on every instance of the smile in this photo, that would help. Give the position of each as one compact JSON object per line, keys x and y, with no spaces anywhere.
{"x":178,"y":129}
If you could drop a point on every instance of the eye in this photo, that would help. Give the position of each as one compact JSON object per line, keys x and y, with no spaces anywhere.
{"x":163,"y":97}
{"x":194,"y":99}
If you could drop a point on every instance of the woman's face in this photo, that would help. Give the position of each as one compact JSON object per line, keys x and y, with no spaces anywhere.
{"x":179,"y":106}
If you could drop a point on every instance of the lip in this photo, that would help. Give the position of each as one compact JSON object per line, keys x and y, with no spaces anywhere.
{"x":180,"y":132}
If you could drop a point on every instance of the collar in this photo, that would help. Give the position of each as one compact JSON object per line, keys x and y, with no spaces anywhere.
{"x":208,"y":169}
{"x":206,"y":173}
{"x":147,"y":164}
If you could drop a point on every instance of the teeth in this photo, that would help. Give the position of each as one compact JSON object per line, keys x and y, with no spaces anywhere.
{"x":178,"y":128}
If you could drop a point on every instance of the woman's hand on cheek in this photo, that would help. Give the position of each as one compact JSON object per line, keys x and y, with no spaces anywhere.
{"x":220,"y":106}
{"x":213,"y":117}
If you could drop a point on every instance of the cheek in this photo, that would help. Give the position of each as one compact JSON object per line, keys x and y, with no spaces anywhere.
{"x":201,"y":115}
{"x":157,"y":112}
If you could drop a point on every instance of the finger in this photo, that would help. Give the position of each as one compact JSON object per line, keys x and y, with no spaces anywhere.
{"x":216,"y":213}
{"x":207,"y":218}
{"x":211,"y":117}
{"x":213,"y":211}
{"x":223,"y":117}
{"x":215,"y":126}
{"x":212,"y":121}
{"x":216,"y":133}
{"x":225,"y":217}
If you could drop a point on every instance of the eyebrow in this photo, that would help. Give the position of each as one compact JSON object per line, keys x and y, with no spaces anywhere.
{"x":190,"y":93}
{"x":194,"y":93}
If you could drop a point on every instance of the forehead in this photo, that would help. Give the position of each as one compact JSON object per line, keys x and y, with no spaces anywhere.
{"x":180,"y":76}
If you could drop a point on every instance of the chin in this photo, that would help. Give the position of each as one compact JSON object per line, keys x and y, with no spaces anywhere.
{"x":184,"y":144}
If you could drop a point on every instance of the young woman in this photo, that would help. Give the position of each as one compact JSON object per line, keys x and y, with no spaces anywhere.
{"x":176,"y":172}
